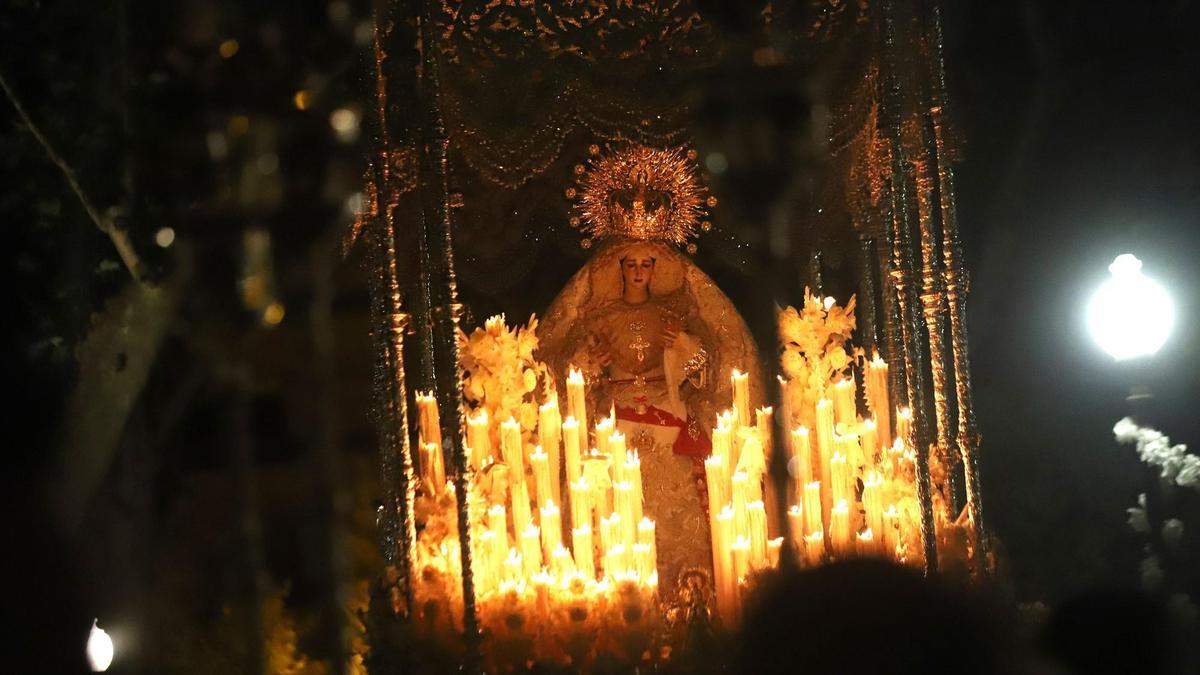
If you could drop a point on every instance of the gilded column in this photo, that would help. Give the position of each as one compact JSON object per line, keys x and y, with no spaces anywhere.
{"x":956,"y":284}
{"x":903,"y":272}
{"x":436,"y":234}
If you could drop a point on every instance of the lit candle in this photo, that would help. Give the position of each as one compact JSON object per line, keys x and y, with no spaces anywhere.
{"x":562,"y":563}
{"x":531,"y":550}
{"x":758,"y":534}
{"x":870,"y":444}
{"x":723,"y":565}
{"x":478,"y":439}
{"x":814,"y":548}
{"x":609,"y":532}
{"x":512,"y":450}
{"x":498,"y":525}
{"x":801,"y":464}
{"x":551,"y":529}
{"x":581,"y":539}
{"x":741,"y":558}
{"x":574,"y":460}
{"x":618,"y":565}
{"x":848,"y":445}
{"x":839,"y":476}
{"x":741,"y":398}
{"x":641,"y":561}
{"x":866,"y":544}
{"x":633,"y":474}
{"x":486,"y":571}
{"x":891,"y":531}
{"x":895,"y":461}
{"x":812,"y":507}
{"x":542,"y":581}
{"x":550,"y":438}
{"x":752,"y":462}
{"x":604,"y":431}
{"x":616,"y":453}
{"x":844,"y":411}
{"x":539,"y":462}
{"x":577,"y":405}
{"x":904,"y":425}
{"x":774,"y":546}
{"x":786,"y":408}
{"x":839,"y":529}
{"x":595,"y":472}
{"x":716,"y":472}
{"x":877,"y":395}
{"x":513,"y":566}
{"x":721,"y":440}
{"x":623,"y":505}
{"x":741,"y":518}
{"x":433,"y":471}
{"x":873,"y":503}
{"x":521,"y":514}
{"x":581,"y":510}
{"x":766,"y":426}
{"x":645,"y":536}
{"x":825,"y":447}
{"x":430,"y":430}
{"x":796,"y":527}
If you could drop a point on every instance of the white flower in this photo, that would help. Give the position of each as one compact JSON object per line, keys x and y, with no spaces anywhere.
{"x":1189,"y":473}
{"x":1155,"y":449}
{"x":1138,"y":520}
{"x":1172,"y":532}
{"x":1126,"y":431}
{"x":1152,"y":573}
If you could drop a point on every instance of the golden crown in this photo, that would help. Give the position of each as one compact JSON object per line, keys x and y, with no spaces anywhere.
{"x":641,"y":193}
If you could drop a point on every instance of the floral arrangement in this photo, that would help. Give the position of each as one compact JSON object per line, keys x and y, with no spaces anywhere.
{"x":1165,"y":554}
{"x":500,"y":374}
{"x":814,"y":340}
{"x":1154,"y":448}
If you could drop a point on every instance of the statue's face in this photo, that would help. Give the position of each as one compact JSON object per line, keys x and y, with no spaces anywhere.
{"x":637,"y":268}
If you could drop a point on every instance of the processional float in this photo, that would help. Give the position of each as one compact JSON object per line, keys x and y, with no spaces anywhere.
{"x":515,"y":521}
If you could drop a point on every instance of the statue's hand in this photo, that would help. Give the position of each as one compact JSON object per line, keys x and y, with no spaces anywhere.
{"x":600,"y":354}
{"x":668,"y":335}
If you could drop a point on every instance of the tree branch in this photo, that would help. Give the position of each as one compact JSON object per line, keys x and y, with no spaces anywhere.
{"x":105,"y":223}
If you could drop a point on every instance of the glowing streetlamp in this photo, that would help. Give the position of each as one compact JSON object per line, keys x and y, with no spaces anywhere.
{"x":99,"y":649}
{"x":1130,"y":315}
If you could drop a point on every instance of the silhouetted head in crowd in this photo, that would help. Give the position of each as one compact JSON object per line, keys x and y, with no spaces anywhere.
{"x":873,"y":617}
{"x":1117,"y":631}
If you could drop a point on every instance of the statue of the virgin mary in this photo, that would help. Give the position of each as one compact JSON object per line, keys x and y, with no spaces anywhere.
{"x":653,"y":335}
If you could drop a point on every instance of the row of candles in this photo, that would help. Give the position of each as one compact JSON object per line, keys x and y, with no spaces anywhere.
{"x":519,"y":540}
{"x":828,"y":516}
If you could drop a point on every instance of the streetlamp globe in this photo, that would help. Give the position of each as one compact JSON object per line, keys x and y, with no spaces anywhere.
{"x":1130,"y":315}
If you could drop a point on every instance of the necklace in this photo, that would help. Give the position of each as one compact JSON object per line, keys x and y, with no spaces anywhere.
{"x":639,"y":343}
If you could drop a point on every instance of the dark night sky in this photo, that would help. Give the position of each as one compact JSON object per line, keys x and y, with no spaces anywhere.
{"x":1081,"y":143}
